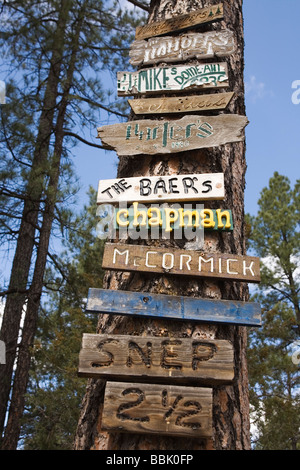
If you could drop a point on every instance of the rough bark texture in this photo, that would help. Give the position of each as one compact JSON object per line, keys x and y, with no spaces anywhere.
{"x":230,"y":403}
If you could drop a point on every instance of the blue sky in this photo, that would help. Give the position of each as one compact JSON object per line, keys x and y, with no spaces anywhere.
{"x":272,"y":38}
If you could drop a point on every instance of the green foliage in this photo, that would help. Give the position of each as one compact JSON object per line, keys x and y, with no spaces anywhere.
{"x":274,"y":377}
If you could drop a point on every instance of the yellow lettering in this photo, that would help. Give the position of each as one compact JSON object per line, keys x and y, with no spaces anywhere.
{"x":207,"y":222}
{"x":136,"y":214}
{"x":122,"y":223}
{"x":154,"y":221}
{"x":220,"y":215}
{"x":171,"y":216}
{"x":190,"y":214}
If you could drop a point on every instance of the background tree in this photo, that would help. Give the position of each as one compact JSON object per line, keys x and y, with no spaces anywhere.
{"x":230,"y":403}
{"x":54,"y":393}
{"x":275,"y":377}
{"x":58,"y":49}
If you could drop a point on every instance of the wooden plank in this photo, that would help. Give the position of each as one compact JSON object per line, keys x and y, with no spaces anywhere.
{"x":195,"y":187}
{"x":181,"y":48}
{"x":180,"y":22}
{"x":146,"y":304}
{"x":172,"y":79}
{"x":162,"y":360}
{"x":154,"y":259}
{"x":154,"y":137}
{"x":181,"y":104}
{"x":157,"y":409}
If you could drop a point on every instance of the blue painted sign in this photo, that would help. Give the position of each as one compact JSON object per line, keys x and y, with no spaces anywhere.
{"x":177,"y":307}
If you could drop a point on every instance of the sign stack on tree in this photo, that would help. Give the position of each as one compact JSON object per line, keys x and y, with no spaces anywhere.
{"x":172,"y":337}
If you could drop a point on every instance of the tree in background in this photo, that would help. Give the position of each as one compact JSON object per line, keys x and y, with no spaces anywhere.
{"x":58,"y":50}
{"x":54,"y":394}
{"x":274,"y":375}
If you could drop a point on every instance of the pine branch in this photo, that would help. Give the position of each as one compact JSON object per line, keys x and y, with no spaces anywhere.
{"x":91,"y":144}
{"x":140,"y":5}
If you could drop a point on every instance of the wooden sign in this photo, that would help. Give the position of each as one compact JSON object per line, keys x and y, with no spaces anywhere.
{"x":178,"y":23}
{"x":172,"y":218}
{"x":155,"y":259}
{"x":163,"y":137}
{"x":164,"y":79}
{"x":162,"y":360}
{"x":157,"y":409}
{"x":181,"y":104}
{"x":180,"y":48}
{"x":145,"y":304}
{"x":146,"y":189}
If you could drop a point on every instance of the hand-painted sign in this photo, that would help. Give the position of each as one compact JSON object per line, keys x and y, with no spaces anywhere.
{"x":162,"y":188}
{"x":157,"y":409}
{"x":162,"y":360}
{"x":162,"y":79}
{"x":172,"y":218}
{"x":160,"y":137}
{"x":155,"y":259}
{"x":178,"y":23}
{"x":181,"y":104}
{"x":180,"y":48}
{"x":146,"y":304}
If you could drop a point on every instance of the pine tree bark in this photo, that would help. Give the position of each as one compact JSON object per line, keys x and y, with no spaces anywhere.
{"x":231,"y":430}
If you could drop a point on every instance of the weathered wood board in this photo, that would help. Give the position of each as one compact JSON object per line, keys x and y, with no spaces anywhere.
{"x":154,"y":259}
{"x":162,"y":360}
{"x":180,"y":48}
{"x":181,"y":104}
{"x":178,"y":23}
{"x":146,"y":304}
{"x":157,"y":409}
{"x":195,"y":187}
{"x":173,"y":79}
{"x":154,"y":137}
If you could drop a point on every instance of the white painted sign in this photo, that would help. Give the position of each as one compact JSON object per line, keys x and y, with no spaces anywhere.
{"x":162,"y":79}
{"x":193,"y":187}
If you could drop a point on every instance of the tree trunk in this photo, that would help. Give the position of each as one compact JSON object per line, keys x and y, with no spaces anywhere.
{"x":231,"y":430}
{"x":17,"y":291}
{"x":21,"y":377}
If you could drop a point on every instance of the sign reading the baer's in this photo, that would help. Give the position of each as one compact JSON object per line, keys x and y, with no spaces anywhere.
{"x":178,"y":23}
{"x":157,"y":409}
{"x":162,"y":360}
{"x":162,"y":79}
{"x":190,"y":263}
{"x":180,"y":48}
{"x":188,"y":133}
{"x":162,"y":188}
{"x":181,"y":104}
